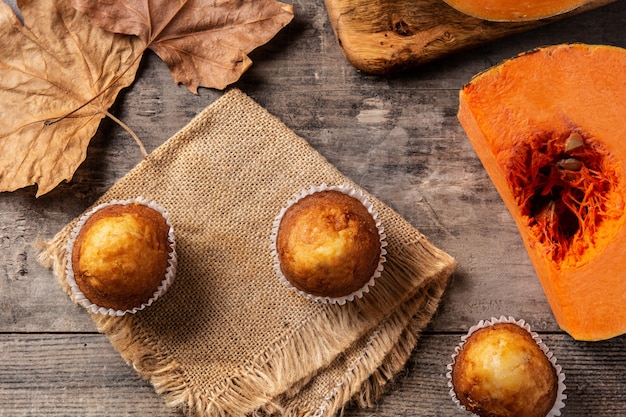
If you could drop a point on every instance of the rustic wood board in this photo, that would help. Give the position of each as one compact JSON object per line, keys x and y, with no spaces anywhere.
{"x":385,"y":36}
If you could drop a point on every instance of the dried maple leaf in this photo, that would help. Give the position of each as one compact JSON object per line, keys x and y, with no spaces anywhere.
{"x":58,"y":77}
{"x":203,"y":42}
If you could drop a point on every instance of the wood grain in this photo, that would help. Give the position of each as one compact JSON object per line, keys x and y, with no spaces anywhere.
{"x":71,"y":375}
{"x":385,"y":36}
{"x":395,"y":135}
{"x":82,"y":375}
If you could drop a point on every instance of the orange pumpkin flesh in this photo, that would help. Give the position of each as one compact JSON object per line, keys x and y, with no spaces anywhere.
{"x":514,"y":10}
{"x":549,"y":126}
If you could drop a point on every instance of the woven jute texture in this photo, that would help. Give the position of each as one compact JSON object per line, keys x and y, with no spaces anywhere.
{"x":228,"y":339}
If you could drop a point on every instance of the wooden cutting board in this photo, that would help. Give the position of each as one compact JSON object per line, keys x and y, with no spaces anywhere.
{"x":385,"y":36}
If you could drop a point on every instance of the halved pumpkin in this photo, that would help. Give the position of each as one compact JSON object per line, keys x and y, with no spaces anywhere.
{"x":514,"y":10}
{"x":549,"y":126}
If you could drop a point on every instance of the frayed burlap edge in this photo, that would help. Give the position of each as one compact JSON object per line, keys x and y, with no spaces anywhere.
{"x":377,"y":375}
{"x":362,"y":383}
{"x":380,"y":355}
{"x":256,"y":384}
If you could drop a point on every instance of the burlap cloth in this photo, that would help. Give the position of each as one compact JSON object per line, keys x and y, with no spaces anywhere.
{"x":228,"y":338}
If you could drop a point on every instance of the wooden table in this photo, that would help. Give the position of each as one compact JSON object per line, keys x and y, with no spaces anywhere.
{"x":397,"y":136}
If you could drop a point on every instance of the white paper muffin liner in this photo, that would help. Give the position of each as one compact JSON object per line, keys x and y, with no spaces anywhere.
{"x":560,"y":395}
{"x":359,"y":195}
{"x":170,"y":272}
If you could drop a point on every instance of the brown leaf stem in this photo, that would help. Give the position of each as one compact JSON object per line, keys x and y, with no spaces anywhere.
{"x":144,"y":154}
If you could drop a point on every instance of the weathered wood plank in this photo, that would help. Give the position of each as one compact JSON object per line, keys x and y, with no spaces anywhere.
{"x":71,"y":375}
{"x":81,"y":375}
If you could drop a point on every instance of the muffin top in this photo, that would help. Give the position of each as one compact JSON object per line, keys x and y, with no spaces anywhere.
{"x":501,"y":371}
{"x":120,"y":256}
{"x":328,"y":244}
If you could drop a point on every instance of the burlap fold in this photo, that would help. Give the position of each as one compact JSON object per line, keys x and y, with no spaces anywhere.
{"x":228,"y":339}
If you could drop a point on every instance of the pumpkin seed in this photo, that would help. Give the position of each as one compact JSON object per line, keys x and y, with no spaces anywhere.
{"x":573,"y":141}
{"x":570,"y":164}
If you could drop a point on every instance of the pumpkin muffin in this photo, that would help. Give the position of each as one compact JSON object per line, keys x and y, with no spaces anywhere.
{"x":328,"y":245}
{"x":502,"y":371}
{"x":122,"y":256}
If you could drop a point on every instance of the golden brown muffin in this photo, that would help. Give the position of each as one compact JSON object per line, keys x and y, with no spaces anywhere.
{"x":328,"y":244}
{"x":120,"y":256}
{"x":501,"y":371}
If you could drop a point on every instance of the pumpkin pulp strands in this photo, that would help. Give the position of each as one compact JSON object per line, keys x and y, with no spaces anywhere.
{"x":565,"y":195}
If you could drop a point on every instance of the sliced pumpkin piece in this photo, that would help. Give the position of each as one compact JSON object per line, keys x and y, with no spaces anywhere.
{"x":514,"y":10}
{"x":549,"y":126}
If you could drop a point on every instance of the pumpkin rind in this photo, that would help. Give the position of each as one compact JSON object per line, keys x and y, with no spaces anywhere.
{"x":514,"y":10}
{"x":546,"y":95}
